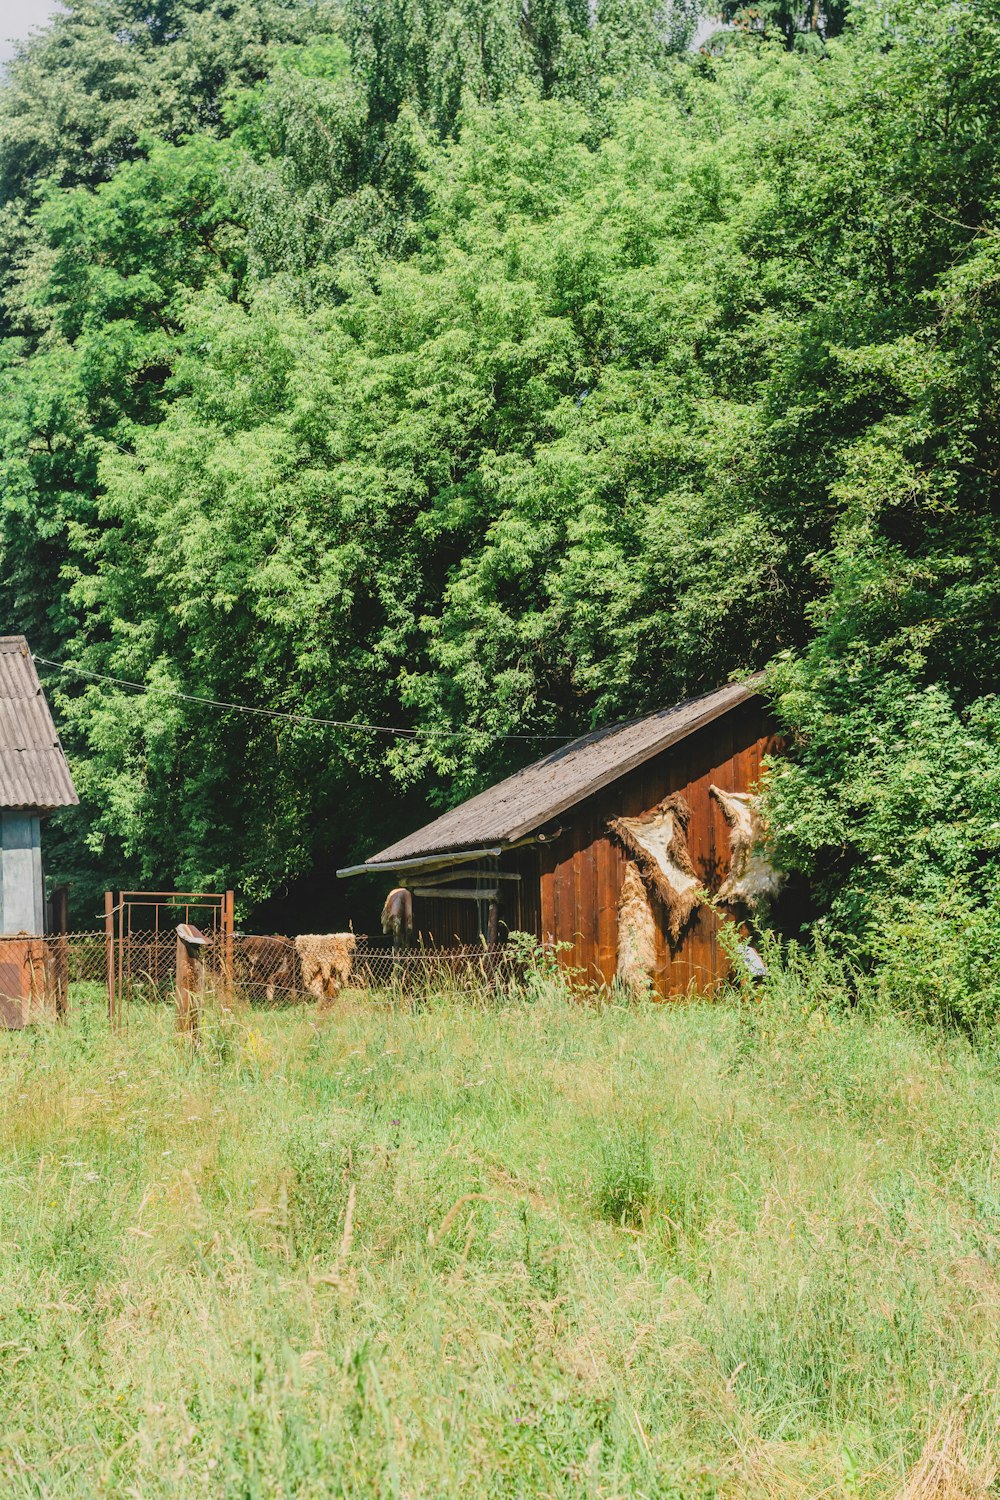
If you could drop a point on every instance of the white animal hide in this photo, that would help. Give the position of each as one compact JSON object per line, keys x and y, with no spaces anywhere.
{"x":657,"y":841}
{"x":753,"y":880}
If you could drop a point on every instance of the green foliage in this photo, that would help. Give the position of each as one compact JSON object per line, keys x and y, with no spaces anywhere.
{"x":891,"y":803}
{"x":83,"y":91}
{"x":803,"y":25}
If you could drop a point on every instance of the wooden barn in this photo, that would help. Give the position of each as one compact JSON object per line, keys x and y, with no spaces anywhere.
{"x":606,"y":846}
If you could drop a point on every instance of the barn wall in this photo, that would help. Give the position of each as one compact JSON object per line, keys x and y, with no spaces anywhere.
{"x":581,"y":872}
{"x":441,"y":923}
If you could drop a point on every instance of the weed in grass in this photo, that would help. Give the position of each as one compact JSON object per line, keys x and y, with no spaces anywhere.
{"x":319,"y":1183}
{"x":624,"y":1183}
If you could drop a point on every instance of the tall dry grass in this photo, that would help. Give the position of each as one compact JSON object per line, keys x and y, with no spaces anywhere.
{"x":529,"y":1250}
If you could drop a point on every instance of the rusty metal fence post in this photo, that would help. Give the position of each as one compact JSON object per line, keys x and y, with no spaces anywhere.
{"x":60,"y":950}
{"x":109,"y":937}
{"x":228,"y":927}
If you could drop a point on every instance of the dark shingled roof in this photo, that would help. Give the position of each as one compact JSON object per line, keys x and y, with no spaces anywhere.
{"x":530,"y":798}
{"x":33,"y":769}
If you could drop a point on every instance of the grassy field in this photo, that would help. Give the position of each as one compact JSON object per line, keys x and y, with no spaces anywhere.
{"x":531,"y":1250}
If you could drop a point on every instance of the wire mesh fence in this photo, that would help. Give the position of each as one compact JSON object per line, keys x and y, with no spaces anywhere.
{"x":47,"y":976}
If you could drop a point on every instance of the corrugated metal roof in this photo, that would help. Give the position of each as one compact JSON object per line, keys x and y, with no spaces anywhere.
{"x":33,"y":769}
{"x":530,"y":798}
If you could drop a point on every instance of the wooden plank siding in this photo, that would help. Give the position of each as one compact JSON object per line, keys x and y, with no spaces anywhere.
{"x":581,"y":874}
{"x":441,"y":923}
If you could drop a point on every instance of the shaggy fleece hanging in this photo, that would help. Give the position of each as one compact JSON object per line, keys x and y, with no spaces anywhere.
{"x":752,"y":880}
{"x":657,"y":841}
{"x":636,"y":966}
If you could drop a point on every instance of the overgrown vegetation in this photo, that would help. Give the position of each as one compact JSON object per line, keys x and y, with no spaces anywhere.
{"x":538,"y":1249}
{"x":496,"y":371}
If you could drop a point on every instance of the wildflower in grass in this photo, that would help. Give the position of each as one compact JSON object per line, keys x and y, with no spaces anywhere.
{"x":256,"y":1049}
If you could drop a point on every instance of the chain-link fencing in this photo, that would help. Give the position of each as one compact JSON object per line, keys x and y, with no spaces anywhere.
{"x":45,"y":977}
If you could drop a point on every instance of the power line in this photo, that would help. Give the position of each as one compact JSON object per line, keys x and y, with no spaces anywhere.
{"x":277,"y":713}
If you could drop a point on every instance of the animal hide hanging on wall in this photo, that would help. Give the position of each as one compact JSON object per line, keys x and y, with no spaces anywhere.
{"x":753,"y":880}
{"x":326,"y":960}
{"x":657,"y":841}
{"x":636,"y":965}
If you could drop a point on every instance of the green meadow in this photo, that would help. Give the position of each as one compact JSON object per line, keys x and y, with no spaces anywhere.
{"x":538,"y":1248}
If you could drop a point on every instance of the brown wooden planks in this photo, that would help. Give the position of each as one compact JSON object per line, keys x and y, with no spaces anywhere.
{"x":585,"y":883}
{"x":547,"y":892}
{"x":609,"y":877}
{"x":564,"y":897}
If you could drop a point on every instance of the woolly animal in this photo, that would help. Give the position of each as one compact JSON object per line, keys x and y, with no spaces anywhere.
{"x":636,"y":966}
{"x":397,"y":915}
{"x":753,"y":880}
{"x":267,"y":964}
{"x":657,"y":841}
{"x":326,"y":961}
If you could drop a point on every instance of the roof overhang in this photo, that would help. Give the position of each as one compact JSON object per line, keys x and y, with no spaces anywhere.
{"x":628,"y":763}
{"x":424,"y":861}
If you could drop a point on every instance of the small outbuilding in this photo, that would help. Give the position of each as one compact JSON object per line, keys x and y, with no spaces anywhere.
{"x":34,"y":782}
{"x":607,"y":847}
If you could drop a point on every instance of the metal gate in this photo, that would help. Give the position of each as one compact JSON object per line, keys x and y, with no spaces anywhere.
{"x":141,"y":938}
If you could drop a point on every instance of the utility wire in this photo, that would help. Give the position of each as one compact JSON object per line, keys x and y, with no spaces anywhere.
{"x":276,"y":713}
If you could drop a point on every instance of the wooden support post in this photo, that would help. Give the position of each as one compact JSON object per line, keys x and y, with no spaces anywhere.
{"x":109,"y":939}
{"x":190,"y":983}
{"x":492,"y":924}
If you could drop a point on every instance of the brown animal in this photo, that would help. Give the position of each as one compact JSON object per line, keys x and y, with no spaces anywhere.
{"x":753,"y":880}
{"x":657,"y":842}
{"x":397,"y":915}
{"x":266,"y":965}
{"x":326,"y":961}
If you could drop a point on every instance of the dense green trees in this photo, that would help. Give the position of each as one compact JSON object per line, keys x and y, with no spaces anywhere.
{"x":493,"y":372}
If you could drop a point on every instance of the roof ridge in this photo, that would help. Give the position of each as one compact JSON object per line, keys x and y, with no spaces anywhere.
{"x":526,"y":799}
